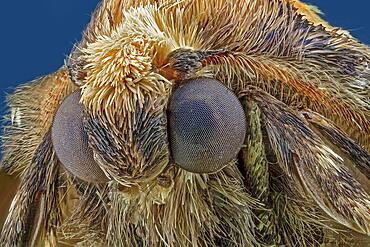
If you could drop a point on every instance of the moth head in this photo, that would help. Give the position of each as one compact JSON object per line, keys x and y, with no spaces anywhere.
{"x":142,"y":115}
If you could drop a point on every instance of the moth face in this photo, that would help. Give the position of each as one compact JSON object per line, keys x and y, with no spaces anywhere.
{"x":137,"y":119}
{"x":152,"y":119}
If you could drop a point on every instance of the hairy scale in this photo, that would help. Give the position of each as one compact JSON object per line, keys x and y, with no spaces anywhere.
{"x":303,"y":168}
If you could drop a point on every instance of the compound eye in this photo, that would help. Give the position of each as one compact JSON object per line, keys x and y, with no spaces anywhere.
{"x":207,"y":125}
{"x":70,"y":141}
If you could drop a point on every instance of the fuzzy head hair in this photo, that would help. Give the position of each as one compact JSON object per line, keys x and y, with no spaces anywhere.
{"x":303,"y":85}
{"x":134,"y":54}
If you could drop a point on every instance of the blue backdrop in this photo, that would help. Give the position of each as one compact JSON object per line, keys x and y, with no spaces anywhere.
{"x":36,"y":36}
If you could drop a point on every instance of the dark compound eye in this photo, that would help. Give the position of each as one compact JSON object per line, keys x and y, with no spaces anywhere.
{"x":70,"y":141}
{"x":207,"y":125}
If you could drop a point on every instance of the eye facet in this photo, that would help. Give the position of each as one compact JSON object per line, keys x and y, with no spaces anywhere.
{"x":70,"y":141}
{"x":207,"y":125}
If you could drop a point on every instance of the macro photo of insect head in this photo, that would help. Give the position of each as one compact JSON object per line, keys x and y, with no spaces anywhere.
{"x":194,"y":123}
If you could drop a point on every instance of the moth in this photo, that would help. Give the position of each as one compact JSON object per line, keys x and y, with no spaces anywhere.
{"x":195,"y":123}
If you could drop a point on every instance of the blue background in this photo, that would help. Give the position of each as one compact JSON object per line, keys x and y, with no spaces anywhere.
{"x":37,"y":35}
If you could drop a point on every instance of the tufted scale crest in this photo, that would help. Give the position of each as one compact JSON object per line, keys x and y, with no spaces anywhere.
{"x":304,"y":87}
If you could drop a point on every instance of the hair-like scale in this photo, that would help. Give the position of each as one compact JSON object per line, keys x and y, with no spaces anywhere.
{"x":301,"y":176}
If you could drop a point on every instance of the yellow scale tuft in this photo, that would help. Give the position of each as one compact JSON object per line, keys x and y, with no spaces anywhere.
{"x":120,"y":64}
{"x":119,"y":74}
